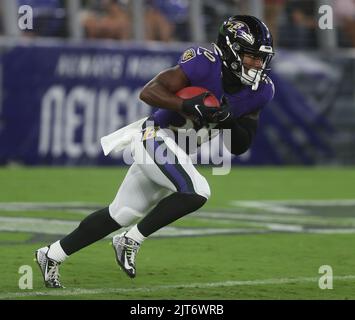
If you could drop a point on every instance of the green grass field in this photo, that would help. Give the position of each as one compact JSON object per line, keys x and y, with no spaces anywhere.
{"x":264,"y":234}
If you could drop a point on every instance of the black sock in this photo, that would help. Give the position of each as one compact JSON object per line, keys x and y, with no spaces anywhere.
{"x":93,"y":228}
{"x":168,"y":210}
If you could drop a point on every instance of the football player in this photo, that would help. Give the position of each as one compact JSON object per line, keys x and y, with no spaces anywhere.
{"x":155,"y":194}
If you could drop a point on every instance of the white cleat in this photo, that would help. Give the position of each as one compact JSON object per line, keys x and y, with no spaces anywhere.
{"x":125,"y":251}
{"x":49,"y":268}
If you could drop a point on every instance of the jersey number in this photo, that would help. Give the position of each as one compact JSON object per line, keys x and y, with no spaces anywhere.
{"x":207,"y":53}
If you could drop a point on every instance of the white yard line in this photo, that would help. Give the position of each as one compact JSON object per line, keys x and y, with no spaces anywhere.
{"x":276,"y":205}
{"x":276,"y":217}
{"x":269,"y":220}
{"x":37,"y":225}
{"x":61,"y":227}
{"x":306,"y":202}
{"x":269,"y":206}
{"x":206,"y":285}
{"x":252,"y":217}
{"x":72,"y":207}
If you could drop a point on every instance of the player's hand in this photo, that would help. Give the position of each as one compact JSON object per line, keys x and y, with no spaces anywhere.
{"x":224,"y":114}
{"x":196,"y":108}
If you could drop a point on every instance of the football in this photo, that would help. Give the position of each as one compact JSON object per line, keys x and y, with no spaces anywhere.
{"x":190,"y":92}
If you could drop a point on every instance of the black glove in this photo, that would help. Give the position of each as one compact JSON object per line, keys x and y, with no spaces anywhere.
{"x":224,"y":114}
{"x":196,"y":108}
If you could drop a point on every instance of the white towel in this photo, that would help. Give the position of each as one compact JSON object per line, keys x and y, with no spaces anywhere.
{"x":121,"y":138}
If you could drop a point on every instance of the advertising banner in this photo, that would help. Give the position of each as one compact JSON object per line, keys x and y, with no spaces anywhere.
{"x":58,"y":100}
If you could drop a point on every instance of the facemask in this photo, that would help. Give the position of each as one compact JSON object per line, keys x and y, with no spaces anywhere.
{"x":251,"y":78}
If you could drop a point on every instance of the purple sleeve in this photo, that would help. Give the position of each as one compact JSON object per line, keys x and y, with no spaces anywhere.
{"x":195,"y":65}
{"x":249,"y":101}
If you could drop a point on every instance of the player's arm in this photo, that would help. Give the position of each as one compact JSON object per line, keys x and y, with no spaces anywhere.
{"x":160,"y":91}
{"x":243,"y":131}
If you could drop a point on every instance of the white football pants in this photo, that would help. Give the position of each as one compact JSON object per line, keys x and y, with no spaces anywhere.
{"x":154,"y":175}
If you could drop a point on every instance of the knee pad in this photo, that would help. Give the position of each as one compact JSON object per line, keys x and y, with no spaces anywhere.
{"x":124,"y":216}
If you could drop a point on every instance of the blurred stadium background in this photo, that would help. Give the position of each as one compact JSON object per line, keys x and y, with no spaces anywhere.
{"x":75,"y":76}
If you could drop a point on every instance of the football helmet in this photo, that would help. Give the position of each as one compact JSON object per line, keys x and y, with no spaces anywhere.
{"x":239,"y":35}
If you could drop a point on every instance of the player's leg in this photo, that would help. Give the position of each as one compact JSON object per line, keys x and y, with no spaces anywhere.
{"x":93,"y":228}
{"x":123,"y":210}
{"x":190,"y":188}
{"x":136,"y":196}
{"x":169,"y":209}
{"x":189,"y":191}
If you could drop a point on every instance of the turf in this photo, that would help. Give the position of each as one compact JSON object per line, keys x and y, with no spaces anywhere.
{"x":200,"y":267}
{"x":240,"y":258}
{"x":100,"y":185}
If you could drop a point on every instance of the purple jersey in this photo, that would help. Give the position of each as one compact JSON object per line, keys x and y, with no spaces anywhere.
{"x":203,"y":69}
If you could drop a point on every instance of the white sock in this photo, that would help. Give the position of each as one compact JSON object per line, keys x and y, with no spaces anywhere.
{"x":56,"y":252}
{"x":134,"y":234}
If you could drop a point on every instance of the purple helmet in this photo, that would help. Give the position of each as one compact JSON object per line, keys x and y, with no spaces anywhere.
{"x":240,"y":35}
